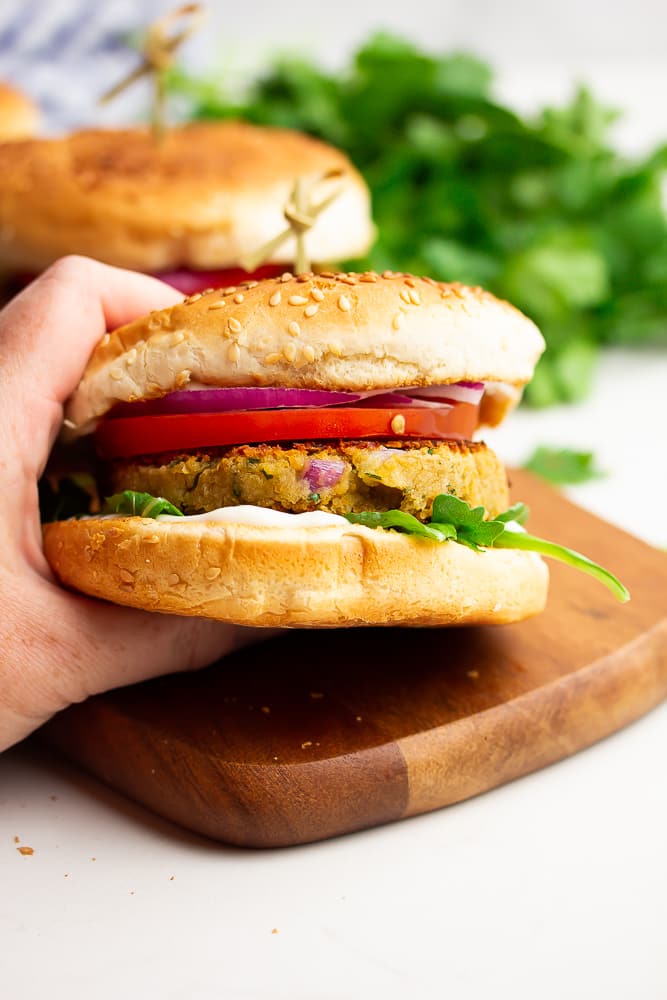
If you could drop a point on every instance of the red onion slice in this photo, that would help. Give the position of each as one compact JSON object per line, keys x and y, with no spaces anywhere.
{"x":189,"y":282}
{"x":221,"y":400}
{"x":458,"y":392}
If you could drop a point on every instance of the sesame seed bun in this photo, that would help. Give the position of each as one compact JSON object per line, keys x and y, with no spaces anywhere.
{"x":19,"y":118}
{"x":354,"y":332}
{"x":201,"y":198}
{"x":294,"y":577}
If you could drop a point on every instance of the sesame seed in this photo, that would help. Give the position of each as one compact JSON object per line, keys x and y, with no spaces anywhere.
{"x":127,"y":587}
{"x":398,"y":424}
{"x":105,"y":340}
{"x":289,"y":350}
{"x":410,"y":282}
{"x":294,"y":328}
{"x":131,"y":356}
{"x":250,"y":284}
{"x":387,"y":274}
{"x":220,"y":304}
{"x":397,"y":321}
{"x":229,"y":291}
{"x":177,"y":338}
{"x":233,"y":353}
{"x":311,"y":309}
{"x":327,"y":274}
{"x":368,"y":276}
{"x":234,"y":325}
{"x":304,"y":276}
{"x":317,"y":294}
{"x":238,"y":298}
{"x":207,"y":291}
{"x":405,"y":295}
{"x":116,"y":374}
{"x":287,"y":276}
{"x":349,"y":279}
{"x":344,"y":303}
{"x":415,"y":297}
{"x":126,"y":576}
{"x":275,"y":299}
{"x":297,"y":300}
{"x":273,"y":359}
{"x":193,"y":298}
{"x":308,"y":354}
{"x":334,"y":349}
{"x":151,"y":540}
{"x":213,"y":572}
{"x":173,"y":579}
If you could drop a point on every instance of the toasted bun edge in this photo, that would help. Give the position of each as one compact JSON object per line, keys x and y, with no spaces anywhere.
{"x":296,"y":577}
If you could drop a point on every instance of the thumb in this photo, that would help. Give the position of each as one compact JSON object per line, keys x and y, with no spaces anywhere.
{"x":49,"y":331}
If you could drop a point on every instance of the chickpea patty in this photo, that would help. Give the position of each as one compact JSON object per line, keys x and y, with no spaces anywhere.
{"x":341,"y":477}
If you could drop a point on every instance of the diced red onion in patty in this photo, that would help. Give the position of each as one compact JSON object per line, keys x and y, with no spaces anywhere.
{"x":322,"y":473}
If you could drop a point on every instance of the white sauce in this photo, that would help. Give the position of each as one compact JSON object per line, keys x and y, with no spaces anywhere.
{"x":260,"y":516}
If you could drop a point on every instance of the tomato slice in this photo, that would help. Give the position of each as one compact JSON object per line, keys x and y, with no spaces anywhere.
{"x":126,"y":436}
{"x":189,"y":282}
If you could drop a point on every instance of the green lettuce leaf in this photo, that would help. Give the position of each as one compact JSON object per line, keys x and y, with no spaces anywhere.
{"x":139,"y":505}
{"x":455,"y":520}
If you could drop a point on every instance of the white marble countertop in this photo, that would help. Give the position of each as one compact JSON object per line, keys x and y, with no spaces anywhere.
{"x":552,"y":886}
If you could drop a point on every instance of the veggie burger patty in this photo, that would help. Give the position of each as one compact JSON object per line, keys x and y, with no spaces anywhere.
{"x":342,"y":477}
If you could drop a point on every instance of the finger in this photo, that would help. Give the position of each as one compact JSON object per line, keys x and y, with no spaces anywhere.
{"x":68,"y":648}
{"x":48,"y":332}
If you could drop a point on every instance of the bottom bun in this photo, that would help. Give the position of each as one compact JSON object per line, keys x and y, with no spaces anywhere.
{"x":323,"y":576}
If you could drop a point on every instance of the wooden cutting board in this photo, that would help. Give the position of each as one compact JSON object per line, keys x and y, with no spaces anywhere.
{"x":319,"y":733}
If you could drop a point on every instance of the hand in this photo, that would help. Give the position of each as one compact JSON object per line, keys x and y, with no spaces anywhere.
{"x":57,"y":648}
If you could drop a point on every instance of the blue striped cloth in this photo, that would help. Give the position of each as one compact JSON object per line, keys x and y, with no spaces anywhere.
{"x":66,"y":53}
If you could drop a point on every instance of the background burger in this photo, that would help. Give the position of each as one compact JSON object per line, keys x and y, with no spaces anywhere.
{"x":298,"y":451}
{"x":187,"y":207}
{"x":19,"y":117}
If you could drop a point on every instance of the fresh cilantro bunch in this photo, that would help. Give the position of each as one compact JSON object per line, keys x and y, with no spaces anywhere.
{"x":453,"y":519}
{"x":542,"y":211}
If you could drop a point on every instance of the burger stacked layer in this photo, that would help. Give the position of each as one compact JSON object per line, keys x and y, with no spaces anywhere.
{"x":188,"y":209}
{"x":299,"y":451}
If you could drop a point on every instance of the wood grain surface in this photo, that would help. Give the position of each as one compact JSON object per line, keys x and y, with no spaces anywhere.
{"x":315,"y":734}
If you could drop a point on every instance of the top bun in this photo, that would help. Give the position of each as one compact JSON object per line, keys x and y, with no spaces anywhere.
{"x":19,"y":117}
{"x":201,"y":198}
{"x":354,"y":332}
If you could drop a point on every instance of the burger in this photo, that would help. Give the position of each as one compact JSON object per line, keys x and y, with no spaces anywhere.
{"x":187,"y":208}
{"x":299,"y":451}
{"x":19,"y":117}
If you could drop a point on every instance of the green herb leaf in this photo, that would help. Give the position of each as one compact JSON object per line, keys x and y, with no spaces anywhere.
{"x":139,"y":505}
{"x":455,"y":520}
{"x":563,"y":466}
{"x":530,"y":543}
{"x":542,"y":210}
{"x":400,"y":521}
{"x":518,"y":512}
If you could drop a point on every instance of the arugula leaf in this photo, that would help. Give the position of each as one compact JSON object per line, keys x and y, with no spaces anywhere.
{"x":70,"y":495}
{"x":455,"y":520}
{"x":518,"y":512}
{"x":530,"y":543}
{"x":563,"y":466}
{"x":401,"y":521}
{"x":541,"y":210}
{"x":139,"y":505}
